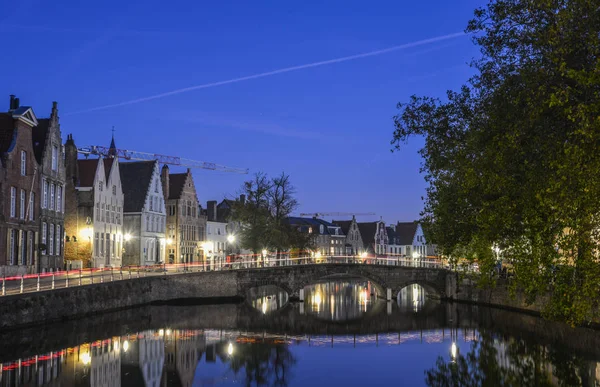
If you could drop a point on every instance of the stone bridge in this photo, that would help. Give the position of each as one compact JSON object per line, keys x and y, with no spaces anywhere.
{"x":437,"y":282}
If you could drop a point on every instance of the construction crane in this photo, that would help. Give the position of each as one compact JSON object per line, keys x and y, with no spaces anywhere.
{"x":104,"y":151}
{"x":322,"y":214}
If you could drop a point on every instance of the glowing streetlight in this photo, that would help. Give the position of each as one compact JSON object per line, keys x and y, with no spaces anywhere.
{"x":318,"y":255}
{"x":127,"y":237}
{"x":86,"y":358}
{"x":125,"y":346}
{"x":264,"y":252}
{"x":230,"y":238}
{"x":264,"y":307}
{"x":161,"y":332}
{"x":364,"y":255}
{"x":230,"y":349}
{"x":453,"y":351}
{"x":168,"y":332}
{"x":169,"y":241}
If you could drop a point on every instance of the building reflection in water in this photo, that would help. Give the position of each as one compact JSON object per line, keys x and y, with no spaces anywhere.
{"x":412,"y":298}
{"x":150,"y":358}
{"x":339,"y":300}
{"x":268,"y":298}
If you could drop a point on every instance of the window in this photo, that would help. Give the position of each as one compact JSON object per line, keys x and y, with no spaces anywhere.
{"x":114,"y":246}
{"x":52,"y":188}
{"x":54,"y":158}
{"x":45,"y":194}
{"x":31,"y":201}
{"x":100,"y":185}
{"x":50,"y":239}
{"x":44,"y":233}
{"x":13,"y":202}
{"x":13,"y":247}
{"x":30,"y":247}
{"x":156,"y":186}
{"x":22,"y":205}
{"x":114,"y":189}
{"x":96,"y":243}
{"x":58,"y":239}
{"x":59,"y":199}
{"x":151,"y":204}
{"x":97,"y":211}
{"x":102,"y":244}
{"x":321,"y":229}
{"x":23,"y":163}
{"x":147,"y":222}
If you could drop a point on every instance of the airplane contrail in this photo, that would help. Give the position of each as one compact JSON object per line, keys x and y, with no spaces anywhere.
{"x":275,"y":72}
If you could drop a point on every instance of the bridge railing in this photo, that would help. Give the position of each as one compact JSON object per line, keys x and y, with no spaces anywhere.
{"x":28,"y":283}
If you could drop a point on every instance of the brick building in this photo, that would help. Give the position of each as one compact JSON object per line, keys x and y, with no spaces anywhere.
{"x":183,"y":216}
{"x":49,"y":153}
{"x":19,"y":187}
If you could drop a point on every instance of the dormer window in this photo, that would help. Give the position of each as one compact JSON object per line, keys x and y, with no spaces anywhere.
{"x":100,"y":185}
{"x":114,"y":189}
{"x":322,"y":229}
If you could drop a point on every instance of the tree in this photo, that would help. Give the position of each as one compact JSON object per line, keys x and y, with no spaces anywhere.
{"x":511,"y":159}
{"x":263,"y":216}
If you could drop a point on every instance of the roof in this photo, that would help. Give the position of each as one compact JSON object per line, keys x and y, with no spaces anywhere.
{"x":39,"y":135}
{"x":406,"y":232}
{"x":7,"y":128}
{"x":108,"y":162}
{"x":344,"y":224}
{"x":136,"y":178}
{"x":176,"y":183}
{"x":367,"y":232}
{"x":87,"y":172}
{"x":392,"y":236}
{"x":313,"y":222}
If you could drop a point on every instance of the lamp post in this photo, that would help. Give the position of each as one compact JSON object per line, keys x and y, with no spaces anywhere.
{"x":229,"y":251}
{"x":264,"y":257}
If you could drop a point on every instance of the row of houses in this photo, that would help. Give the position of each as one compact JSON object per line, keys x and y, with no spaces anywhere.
{"x":349,"y":237}
{"x":58,"y":210}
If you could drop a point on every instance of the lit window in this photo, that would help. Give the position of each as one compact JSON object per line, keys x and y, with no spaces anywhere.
{"x":51,"y":239}
{"x":52,"y":190}
{"x":23,"y":163}
{"x":44,"y":233}
{"x":59,"y":198}
{"x":58,"y":239}
{"x":45,"y":194}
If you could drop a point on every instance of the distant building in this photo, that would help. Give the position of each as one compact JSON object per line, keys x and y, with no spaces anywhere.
{"x":411,"y":240}
{"x":49,"y":153}
{"x":354,"y":243}
{"x":19,"y":188}
{"x":374,"y":236}
{"x":330,"y":239}
{"x":183,"y":216}
{"x":215,"y":245}
{"x":144,"y":214}
{"x":94,"y":219}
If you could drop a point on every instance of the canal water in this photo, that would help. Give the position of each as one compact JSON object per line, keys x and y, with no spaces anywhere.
{"x":342,"y":334}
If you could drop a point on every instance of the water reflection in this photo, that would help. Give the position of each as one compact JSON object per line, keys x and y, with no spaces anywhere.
{"x":339,"y":300}
{"x":267,"y":298}
{"x":412,"y":298}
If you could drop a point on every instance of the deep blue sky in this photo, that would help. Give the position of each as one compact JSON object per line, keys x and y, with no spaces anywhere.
{"x":329,"y":127}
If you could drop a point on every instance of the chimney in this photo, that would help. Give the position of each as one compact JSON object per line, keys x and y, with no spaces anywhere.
{"x":71,"y":168}
{"x":243,"y":199}
{"x":211,"y":210}
{"x":12,"y":102}
{"x":164,"y":179}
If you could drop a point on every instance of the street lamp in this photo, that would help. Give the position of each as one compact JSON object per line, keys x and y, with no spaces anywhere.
{"x":230,"y":238}
{"x":264,"y":256}
{"x":127,"y":237}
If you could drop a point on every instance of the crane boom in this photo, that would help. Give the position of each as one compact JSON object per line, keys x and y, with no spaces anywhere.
{"x":320,"y":214}
{"x":99,"y":150}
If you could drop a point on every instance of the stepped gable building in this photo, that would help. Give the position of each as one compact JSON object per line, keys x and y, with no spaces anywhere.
{"x":354,"y":243}
{"x":183,"y":216}
{"x":144,"y":213}
{"x":49,"y":154}
{"x":374,"y":236}
{"x":94,"y":221}
{"x":19,"y":189}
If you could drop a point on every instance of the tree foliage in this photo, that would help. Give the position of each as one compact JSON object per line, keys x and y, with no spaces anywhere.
{"x":511,"y":158}
{"x":263,"y":216}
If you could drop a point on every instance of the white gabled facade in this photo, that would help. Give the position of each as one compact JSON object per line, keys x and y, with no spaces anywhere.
{"x":107,"y":237}
{"x":154,"y":220}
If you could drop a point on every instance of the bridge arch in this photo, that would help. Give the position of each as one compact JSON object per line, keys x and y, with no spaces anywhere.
{"x":430,"y":288}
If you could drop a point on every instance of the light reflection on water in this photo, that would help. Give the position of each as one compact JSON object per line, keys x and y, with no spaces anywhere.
{"x":339,"y":300}
{"x":267,"y":298}
{"x":412,"y":298}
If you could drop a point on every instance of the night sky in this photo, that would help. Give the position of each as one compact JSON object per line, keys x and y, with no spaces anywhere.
{"x":328,"y":126}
